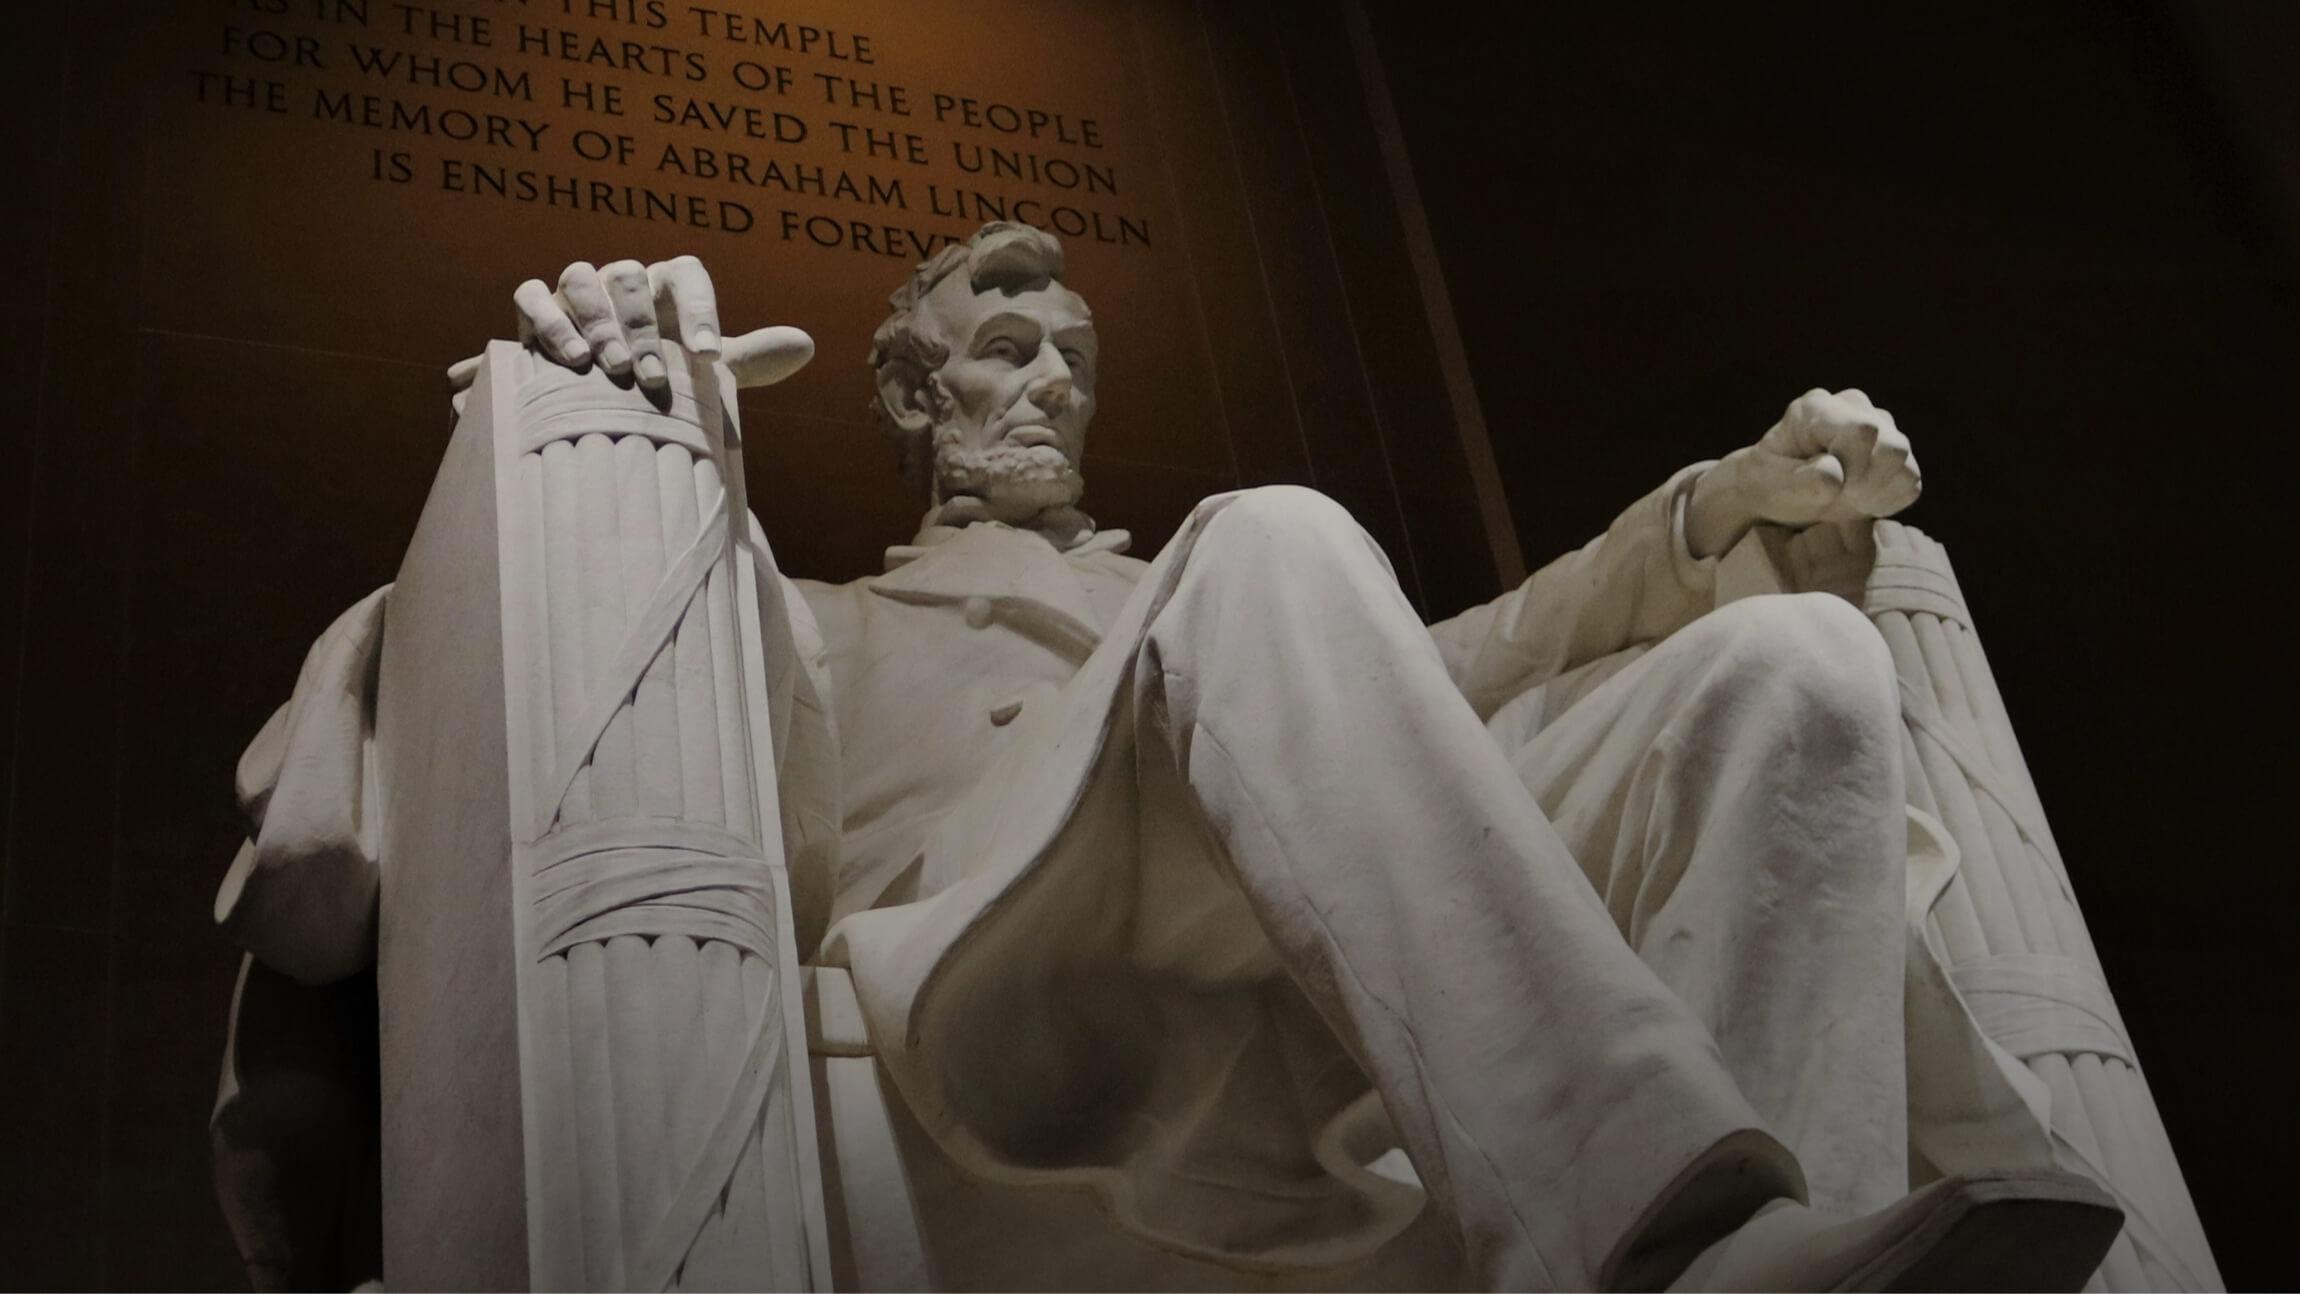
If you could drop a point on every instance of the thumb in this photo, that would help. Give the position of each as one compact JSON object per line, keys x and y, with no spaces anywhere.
{"x":1811,"y":488}
{"x":463,"y":372}
{"x":767,"y":356}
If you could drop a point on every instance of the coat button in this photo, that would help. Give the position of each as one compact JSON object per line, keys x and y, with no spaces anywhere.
{"x":978,"y":611}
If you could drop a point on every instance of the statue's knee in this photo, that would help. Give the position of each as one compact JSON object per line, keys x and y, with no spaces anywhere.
{"x":1287,"y":508}
{"x":1800,"y":705}
{"x":1290,"y":527}
{"x":1816,"y":658}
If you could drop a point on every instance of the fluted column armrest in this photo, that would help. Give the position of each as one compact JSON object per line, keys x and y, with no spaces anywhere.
{"x":2006,"y":923}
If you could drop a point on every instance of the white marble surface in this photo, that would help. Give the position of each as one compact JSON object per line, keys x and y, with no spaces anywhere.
{"x":1193,"y":892}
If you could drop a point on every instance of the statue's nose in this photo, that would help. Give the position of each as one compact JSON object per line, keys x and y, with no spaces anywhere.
{"x":1051,"y":394}
{"x":1051,"y":390}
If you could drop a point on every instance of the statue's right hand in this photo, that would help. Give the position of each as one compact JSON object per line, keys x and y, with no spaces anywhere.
{"x":619,"y":315}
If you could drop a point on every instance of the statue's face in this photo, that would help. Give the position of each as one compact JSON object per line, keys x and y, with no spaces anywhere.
{"x":1018,"y":391}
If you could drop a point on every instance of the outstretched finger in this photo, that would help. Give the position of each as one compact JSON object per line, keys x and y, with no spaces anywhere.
{"x":541,"y":319}
{"x":633,"y":295}
{"x":684,"y":294}
{"x":767,"y":356}
{"x":585,"y":296}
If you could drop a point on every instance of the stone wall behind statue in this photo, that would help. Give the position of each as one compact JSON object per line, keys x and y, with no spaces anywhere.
{"x":250,"y":234}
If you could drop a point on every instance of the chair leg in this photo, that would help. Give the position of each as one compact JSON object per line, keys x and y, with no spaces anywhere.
{"x":875,"y":1238}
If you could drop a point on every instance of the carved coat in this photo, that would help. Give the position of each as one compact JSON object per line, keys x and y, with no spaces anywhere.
{"x":967,"y":818}
{"x":1002,"y":838}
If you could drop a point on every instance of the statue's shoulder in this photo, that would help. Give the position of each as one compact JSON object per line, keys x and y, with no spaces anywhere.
{"x":1119,"y":565}
{"x":1109,"y":550}
{"x":819,"y":592}
{"x":833,"y":605}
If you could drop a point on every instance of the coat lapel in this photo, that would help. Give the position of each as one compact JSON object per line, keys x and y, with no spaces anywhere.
{"x":1018,"y":577}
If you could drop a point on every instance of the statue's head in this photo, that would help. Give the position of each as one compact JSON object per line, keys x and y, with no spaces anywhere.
{"x":985,"y":376}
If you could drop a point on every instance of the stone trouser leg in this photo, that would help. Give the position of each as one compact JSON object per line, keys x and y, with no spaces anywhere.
{"x":1735,"y":795}
{"x":1556,"y":1098}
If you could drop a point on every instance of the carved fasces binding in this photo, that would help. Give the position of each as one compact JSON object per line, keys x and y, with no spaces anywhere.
{"x":631,"y":990}
{"x":2006,"y":924}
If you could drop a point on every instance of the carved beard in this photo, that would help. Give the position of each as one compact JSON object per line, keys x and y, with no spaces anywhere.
{"x":1009,"y":483}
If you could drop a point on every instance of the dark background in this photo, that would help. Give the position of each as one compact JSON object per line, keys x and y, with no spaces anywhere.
{"x":2058,"y":239}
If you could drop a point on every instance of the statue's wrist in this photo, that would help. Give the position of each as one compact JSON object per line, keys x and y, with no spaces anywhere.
{"x":1718,"y":512}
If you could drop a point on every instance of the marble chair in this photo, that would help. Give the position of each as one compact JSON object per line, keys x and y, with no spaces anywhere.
{"x":545,"y":681}
{"x":1990,"y":902}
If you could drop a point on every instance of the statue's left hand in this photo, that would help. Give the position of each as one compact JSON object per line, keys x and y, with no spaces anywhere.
{"x":1831,"y":459}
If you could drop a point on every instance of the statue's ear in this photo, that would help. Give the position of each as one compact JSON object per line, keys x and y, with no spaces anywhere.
{"x":904,"y":396}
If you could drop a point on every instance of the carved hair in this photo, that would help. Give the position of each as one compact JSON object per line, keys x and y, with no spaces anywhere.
{"x":1002,"y":255}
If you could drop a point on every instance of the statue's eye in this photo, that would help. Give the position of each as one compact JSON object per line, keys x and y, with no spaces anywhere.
{"x":1075,"y":359}
{"x":1003,"y":348}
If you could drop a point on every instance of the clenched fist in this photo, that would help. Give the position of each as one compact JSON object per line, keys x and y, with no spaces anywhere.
{"x":1835,"y":459}
{"x":618,"y":316}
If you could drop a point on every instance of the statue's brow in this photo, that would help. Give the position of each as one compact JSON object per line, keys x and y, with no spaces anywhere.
{"x":1005,"y":319}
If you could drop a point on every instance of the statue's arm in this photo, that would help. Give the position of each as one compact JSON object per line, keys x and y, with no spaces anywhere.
{"x":1832,"y":459}
{"x":293,"y":1129}
{"x":807,"y":756}
{"x":300,"y":896}
{"x":1635,"y":583}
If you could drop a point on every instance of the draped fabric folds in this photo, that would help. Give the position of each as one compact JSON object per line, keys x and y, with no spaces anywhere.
{"x":2052,"y":1069}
